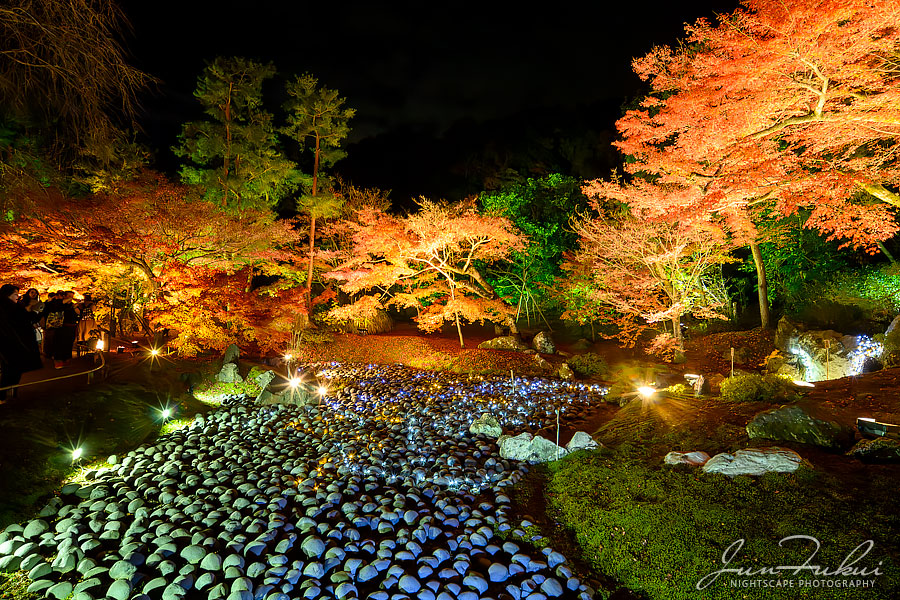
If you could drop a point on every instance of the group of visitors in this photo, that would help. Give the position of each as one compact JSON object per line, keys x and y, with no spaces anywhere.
{"x":27,"y":324}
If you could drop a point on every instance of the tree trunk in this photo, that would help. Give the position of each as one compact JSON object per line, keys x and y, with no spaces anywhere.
{"x":761,"y":285}
{"x":889,"y":256}
{"x":227,"y":156}
{"x":676,"y":330}
{"x":309,"y":273}
{"x":462,"y":344}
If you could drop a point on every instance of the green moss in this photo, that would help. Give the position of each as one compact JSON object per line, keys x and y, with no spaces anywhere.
{"x":14,"y":586}
{"x":659,"y":531}
{"x":752,"y":387}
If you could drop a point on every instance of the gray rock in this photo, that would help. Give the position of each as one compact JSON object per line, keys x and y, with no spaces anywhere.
{"x":60,"y":590}
{"x":879,"y":450}
{"x":498,"y":572}
{"x":122,"y":570}
{"x":313,"y":546}
{"x":119,"y":590}
{"x":694,"y":459}
{"x":525,"y":447}
{"x":581,"y":441}
{"x":193,"y":554}
{"x":232,"y":354}
{"x":543,"y":343}
{"x":754,"y":461}
{"x":793,"y":424}
{"x":264,"y":379}
{"x":35,"y":528}
{"x":409,"y":584}
{"x":506,"y":342}
{"x":229,"y":374}
{"x":487,"y":424}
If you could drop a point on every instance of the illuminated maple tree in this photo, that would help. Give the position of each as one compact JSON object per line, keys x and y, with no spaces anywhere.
{"x":782,"y":106}
{"x":637,"y":273}
{"x":428,"y":261}
{"x":193,"y":261}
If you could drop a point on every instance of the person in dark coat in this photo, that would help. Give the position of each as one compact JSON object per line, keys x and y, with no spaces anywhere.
{"x":64,"y":339}
{"x":51,"y":324}
{"x":18,"y":345}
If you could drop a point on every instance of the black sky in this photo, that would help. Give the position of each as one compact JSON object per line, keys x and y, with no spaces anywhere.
{"x":413,"y":69}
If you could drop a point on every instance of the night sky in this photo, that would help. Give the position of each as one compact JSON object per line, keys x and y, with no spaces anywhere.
{"x":431,"y":83}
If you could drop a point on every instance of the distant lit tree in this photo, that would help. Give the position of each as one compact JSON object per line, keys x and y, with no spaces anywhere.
{"x":638,"y":273}
{"x":428,"y":261}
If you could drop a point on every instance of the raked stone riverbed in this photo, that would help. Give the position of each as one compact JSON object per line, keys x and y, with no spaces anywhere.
{"x":379,"y":493}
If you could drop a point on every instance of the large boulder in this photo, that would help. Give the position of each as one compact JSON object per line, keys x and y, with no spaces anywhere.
{"x":229,"y":374}
{"x":264,"y":379}
{"x":879,"y":450}
{"x":506,"y":342}
{"x":754,"y":461}
{"x":487,"y":424}
{"x":816,"y":355}
{"x":692,"y":459}
{"x":581,"y":441}
{"x":302,"y":395}
{"x":794,"y":424}
{"x":528,"y":448}
{"x":232,"y":354}
{"x":543,"y":343}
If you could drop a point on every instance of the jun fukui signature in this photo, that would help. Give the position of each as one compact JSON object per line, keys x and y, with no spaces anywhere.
{"x":847,"y":568}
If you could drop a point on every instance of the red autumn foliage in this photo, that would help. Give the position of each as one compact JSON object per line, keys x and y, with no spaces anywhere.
{"x":790,"y":103}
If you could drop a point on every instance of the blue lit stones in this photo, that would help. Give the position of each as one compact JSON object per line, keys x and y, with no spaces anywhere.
{"x":866,"y":347}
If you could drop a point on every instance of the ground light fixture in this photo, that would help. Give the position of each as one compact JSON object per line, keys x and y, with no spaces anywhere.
{"x":154,"y":352}
{"x":323,"y":390}
{"x":100,"y":346}
{"x":288,"y":357}
{"x":646,"y":391}
{"x":76,"y":454}
{"x":294,"y":382}
{"x":166,"y":413}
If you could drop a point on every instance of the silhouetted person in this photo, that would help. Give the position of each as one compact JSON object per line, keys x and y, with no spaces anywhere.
{"x":64,"y":339}
{"x":18,"y":345}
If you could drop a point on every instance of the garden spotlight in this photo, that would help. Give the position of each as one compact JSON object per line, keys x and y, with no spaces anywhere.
{"x":76,"y":454}
{"x":646,"y":391}
{"x":99,"y":347}
{"x":323,"y":390}
{"x":294,"y":382}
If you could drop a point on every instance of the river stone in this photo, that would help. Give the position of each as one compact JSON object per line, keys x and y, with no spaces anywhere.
{"x":878,"y":450}
{"x":693,"y":459}
{"x":581,"y":441}
{"x":543,"y":343}
{"x":794,"y":424}
{"x":119,"y":590}
{"x":122,"y":570}
{"x":754,"y":461}
{"x":35,"y":528}
{"x":506,"y":342}
{"x":60,"y":590}
{"x":313,"y":546}
{"x":487,"y":424}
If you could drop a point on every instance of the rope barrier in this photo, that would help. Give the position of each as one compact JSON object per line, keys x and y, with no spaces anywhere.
{"x":79,"y":374}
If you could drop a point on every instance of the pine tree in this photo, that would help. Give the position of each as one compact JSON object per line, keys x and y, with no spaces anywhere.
{"x":234,"y":154}
{"x":318,"y":119}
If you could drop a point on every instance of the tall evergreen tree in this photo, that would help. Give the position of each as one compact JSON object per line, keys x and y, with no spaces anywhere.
{"x":234,"y":153}
{"x":317,"y":119}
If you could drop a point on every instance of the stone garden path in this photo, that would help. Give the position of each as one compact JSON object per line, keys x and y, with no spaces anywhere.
{"x":380,"y":492}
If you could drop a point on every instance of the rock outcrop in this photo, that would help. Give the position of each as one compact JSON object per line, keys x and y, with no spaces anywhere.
{"x":794,"y":424}
{"x":754,"y":461}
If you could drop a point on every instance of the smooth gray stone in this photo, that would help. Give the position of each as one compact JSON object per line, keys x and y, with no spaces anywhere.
{"x":155,"y":584}
{"x":211,"y":562}
{"x":119,"y":590}
{"x":30,"y":562}
{"x":204,"y":580}
{"x":60,"y":590}
{"x":122,"y":570}
{"x":36,"y":587}
{"x":86,"y":584}
{"x":35,"y":528}
{"x":174,"y":591}
{"x":193,"y":554}
{"x":40,"y":571}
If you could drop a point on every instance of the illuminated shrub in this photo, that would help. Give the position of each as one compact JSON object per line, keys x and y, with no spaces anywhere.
{"x":589,"y":364}
{"x":775,"y":389}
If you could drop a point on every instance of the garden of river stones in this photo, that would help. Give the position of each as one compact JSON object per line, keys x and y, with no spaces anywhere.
{"x":511,"y":474}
